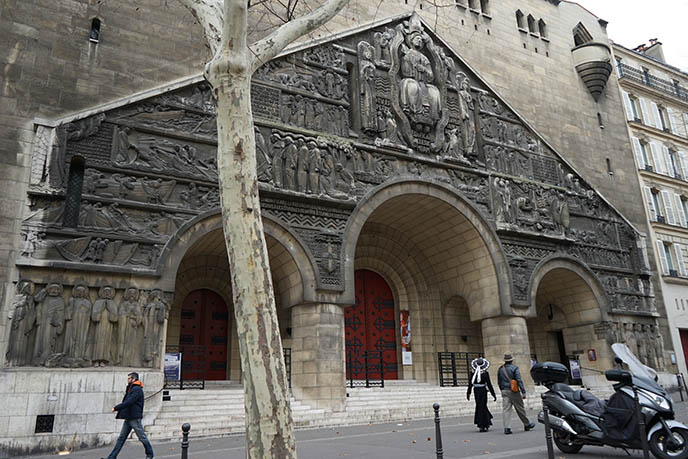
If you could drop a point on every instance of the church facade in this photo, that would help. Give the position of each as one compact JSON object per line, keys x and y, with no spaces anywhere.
{"x":410,"y":206}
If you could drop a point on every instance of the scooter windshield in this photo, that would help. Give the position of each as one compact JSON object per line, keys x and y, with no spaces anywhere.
{"x":634,"y":365}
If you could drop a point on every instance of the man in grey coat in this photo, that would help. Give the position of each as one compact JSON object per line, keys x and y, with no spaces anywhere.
{"x":512,"y":400}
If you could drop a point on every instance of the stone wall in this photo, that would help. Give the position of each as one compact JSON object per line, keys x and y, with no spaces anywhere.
{"x":80,"y":400}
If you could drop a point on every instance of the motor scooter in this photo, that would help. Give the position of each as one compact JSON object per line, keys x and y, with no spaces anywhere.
{"x":578,"y":418}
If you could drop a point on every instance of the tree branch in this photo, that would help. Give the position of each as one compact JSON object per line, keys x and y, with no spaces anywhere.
{"x":235,"y":30}
{"x":270,"y":46}
{"x":210,"y":14}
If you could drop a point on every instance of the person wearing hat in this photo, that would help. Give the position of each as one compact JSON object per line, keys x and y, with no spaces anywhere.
{"x":480,"y":383}
{"x":513,"y":393}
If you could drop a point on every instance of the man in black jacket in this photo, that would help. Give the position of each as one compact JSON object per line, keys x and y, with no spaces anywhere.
{"x":131,"y":410}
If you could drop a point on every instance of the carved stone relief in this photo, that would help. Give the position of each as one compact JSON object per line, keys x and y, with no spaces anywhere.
{"x":643,"y":339}
{"x":48,"y":331}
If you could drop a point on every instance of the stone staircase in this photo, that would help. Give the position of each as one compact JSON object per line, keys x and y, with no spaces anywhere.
{"x":216,"y":412}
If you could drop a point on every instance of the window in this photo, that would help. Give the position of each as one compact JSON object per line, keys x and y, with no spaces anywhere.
{"x":619,"y":68}
{"x":485,"y":7}
{"x":94,"y":34}
{"x":75,"y":183}
{"x":646,"y":76}
{"x":680,"y":210}
{"x":669,"y":214}
{"x":542,"y":28}
{"x":531,"y":24}
{"x":581,"y":35}
{"x":461,"y":3}
{"x":520,"y":20}
{"x":671,"y":259}
{"x":473,"y":4}
{"x":673,"y":164}
{"x":641,"y":155}
{"x":631,"y":105}
{"x":652,"y":199}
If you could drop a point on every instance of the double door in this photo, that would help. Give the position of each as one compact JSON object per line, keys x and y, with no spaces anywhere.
{"x":204,"y":332}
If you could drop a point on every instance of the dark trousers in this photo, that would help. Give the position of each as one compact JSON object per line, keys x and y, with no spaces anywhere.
{"x":127,"y":427}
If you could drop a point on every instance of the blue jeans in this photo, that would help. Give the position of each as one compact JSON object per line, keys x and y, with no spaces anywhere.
{"x":127,"y":427}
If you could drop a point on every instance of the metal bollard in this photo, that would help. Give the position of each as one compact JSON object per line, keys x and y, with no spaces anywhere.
{"x":185,"y":440}
{"x":548,"y":430}
{"x":438,"y":432}
{"x":680,"y":384}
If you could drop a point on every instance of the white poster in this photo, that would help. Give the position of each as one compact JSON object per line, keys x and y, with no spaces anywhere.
{"x":173,"y":366}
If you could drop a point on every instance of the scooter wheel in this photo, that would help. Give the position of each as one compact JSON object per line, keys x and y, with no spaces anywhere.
{"x":565,"y":443}
{"x":665,"y":447}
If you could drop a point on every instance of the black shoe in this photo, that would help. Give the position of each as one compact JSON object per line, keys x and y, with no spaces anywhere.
{"x":530,"y":426}
{"x":507,"y":431}
{"x":483,"y":429}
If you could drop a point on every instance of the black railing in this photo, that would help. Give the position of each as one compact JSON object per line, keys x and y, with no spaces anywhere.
{"x":454,"y":367}
{"x":365,"y":369}
{"x":192,"y":374}
{"x":287,"y":363}
{"x":665,"y":86}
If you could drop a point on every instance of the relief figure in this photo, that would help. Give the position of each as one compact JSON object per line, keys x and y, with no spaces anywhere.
{"x":130,"y":329}
{"x":366,"y":72}
{"x":23,"y":322}
{"x":50,"y":318}
{"x":104,"y":318}
{"x":78,"y":318}
{"x":154,"y":316}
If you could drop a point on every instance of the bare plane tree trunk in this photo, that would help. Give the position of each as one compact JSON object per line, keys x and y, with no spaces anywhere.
{"x":269,"y":424}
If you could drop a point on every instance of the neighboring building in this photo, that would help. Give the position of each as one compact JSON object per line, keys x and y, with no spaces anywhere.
{"x":656,"y":99}
{"x":464,"y":177}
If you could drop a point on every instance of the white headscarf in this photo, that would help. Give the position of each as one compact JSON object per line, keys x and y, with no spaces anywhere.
{"x":479,"y":366}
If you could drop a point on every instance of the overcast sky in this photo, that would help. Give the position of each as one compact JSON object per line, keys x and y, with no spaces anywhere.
{"x":633,"y":22}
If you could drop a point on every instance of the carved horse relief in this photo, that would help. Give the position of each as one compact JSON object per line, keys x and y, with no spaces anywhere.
{"x":419,"y":87}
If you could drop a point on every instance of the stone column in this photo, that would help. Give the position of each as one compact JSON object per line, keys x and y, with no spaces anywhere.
{"x":318,"y":368}
{"x":507,"y":334}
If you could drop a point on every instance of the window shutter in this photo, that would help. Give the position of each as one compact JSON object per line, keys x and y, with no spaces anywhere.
{"x":638,"y":153}
{"x":656,"y":116}
{"x":671,"y":114}
{"x":679,"y":210}
{"x":667,"y":159}
{"x":668,"y":208}
{"x":662,"y":258}
{"x":657,"y":158}
{"x":679,"y":260}
{"x":627,"y":104}
{"x":650,"y":204}
{"x":683,"y":158}
{"x":645,"y":112}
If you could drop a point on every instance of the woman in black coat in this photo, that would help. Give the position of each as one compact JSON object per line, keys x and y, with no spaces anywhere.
{"x":480,"y":383}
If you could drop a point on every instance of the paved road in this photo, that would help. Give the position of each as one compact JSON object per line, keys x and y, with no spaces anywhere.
{"x":408,"y":440}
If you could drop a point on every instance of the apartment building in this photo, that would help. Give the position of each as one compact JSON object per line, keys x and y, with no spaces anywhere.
{"x":655,"y":96}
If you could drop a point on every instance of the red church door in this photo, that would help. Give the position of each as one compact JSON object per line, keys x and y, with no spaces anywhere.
{"x":370,"y":326}
{"x":204,"y":323}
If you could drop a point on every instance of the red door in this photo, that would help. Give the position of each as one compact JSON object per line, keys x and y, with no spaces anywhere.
{"x":370,"y":326}
{"x":204,"y":323}
{"x":683,"y":333}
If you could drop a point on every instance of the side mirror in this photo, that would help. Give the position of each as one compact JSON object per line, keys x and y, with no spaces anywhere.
{"x":621,"y":376}
{"x":618,"y":360}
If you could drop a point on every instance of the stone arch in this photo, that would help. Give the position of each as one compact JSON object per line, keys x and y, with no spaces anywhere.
{"x":488,"y":255}
{"x":193,"y":231}
{"x":582,"y":271}
{"x":567,"y":304}
{"x":460,"y":333}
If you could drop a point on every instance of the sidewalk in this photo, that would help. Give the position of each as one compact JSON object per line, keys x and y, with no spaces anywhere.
{"x":408,"y":440}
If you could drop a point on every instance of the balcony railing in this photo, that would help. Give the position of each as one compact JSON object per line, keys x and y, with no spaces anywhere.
{"x":665,"y":86}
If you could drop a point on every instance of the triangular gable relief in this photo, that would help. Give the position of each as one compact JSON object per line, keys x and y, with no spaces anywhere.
{"x":333,"y":121}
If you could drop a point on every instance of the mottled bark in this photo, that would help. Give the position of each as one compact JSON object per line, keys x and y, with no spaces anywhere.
{"x":269,"y":425}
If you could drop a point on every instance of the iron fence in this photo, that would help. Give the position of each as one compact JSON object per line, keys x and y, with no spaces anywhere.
{"x":365,"y":369}
{"x":193,"y":367}
{"x":668,"y":87}
{"x":454,"y":367}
